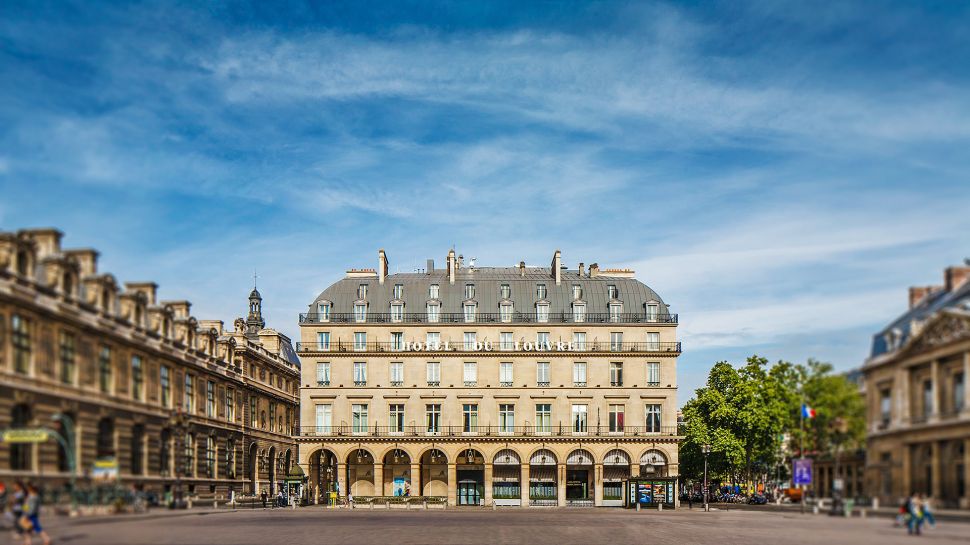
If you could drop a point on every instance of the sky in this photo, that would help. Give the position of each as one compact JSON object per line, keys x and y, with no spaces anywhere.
{"x":779,"y":172}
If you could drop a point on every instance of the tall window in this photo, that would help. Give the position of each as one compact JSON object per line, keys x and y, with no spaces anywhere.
{"x":434,"y":313}
{"x":505,"y":312}
{"x":616,"y":373}
{"x":470,"y":312}
{"x":165,"y":453}
{"x":469,"y":291}
{"x":398,"y":291}
{"x":105,"y":444}
{"x":21,"y":454}
{"x":505,"y":341}
{"x":360,"y":340}
{"x":68,"y":363}
{"x":579,"y":340}
{"x":323,"y":417}
{"x":885,"y":406}
{"x":210,"y":456}
{"x":362,"y":291}
{"x":360,"y":373}
{"x":470,"y":339}
{"x":927,"y":398}
{"x":433,"y":417}
{"x":579,"y":312}
{"x":959,"y":393}
{"x":653,"y":373}
{"x":579,"y":418}
{"x":397,"y":373}
{"x":542,"y":373}
{"x":20,"y":337}
{"x":612,"y":292}
{"x":653,"y":341}
{"x":616,"y":418}
{"x":188,"y":455}
{"x":323,"y":373}
{"x":433,"y":340}
{"x":165,"y":383}
{"x":542,"y":313}
{"x":230,"y":404}
{"x":396,"y":417}
{"x":188,"y":396}
{"x":469,"y":417}
{"x":323,"y":340}
{"x":231,"y":458}
{"x":543,"y":417}
{"x":433,"y":291}
{"x":359,"y":417}
{"x":616,"y":312}
{"x":210,"y":399}
{"x":104,"y":369}
{"x":505,"y":291}
{"x":506,"y":417}
{"x":542,"y":340}
{"x":470,"y":375}
{"x":505,"y":373}
{"x":616,"y":341}
{"x":323,"y":312}
{"x":253,"y":412}
{"x":653,"y":419}
{"x":579,"y":373}
{"x":360,"y":312}
{"x":397,"y":312}
{"x":653,"y":312}
{"x":397,"y":340}
{"x":434,"y":373}
{"x":540,"y":291}
{"x":137,"y":380}
{"x":137,"y":449}
{"x":272,"y":416}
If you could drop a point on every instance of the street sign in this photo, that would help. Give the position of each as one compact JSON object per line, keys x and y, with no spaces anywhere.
{"x":802,"y":469}
{"x":105,"y":469}
{"x":25,"y":436}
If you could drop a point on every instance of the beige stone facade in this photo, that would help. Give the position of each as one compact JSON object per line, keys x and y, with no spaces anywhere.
{"x":516,"y":386}
{"x":144,"y":386}
{"x":918,"y":401}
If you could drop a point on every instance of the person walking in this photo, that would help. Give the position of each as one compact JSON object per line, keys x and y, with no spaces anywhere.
{"x":17,"y":500}
{"x":262,"y":496}
{"x":927,"y":511}
{"x":32,"y":513}
{"x":915,"y":516}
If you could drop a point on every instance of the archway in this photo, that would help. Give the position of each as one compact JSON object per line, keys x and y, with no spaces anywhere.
{"x":653,"y":463}
{"x":252,"y":471}
{"x":616,"y":469}
{"x":579,"y":477}
{"x":542,"y":478}
{"x":360,"y":473}
{"x":434,"y":473}
{"x":471,"y":477}
{"x":506,"y":477}
{"x":397,"y":478}
{"x":271,"y":461}
{"x":323,"y":475}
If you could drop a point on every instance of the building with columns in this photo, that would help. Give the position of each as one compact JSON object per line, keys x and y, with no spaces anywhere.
{"x":918,"y":402}
{"x":488,"y":385}
{"x":144,"y":394}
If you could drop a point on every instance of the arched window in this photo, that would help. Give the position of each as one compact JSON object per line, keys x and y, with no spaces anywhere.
{"x":23,"y":266}
{"x":21,"y":454}
{"x":106,"y":438}
{"x":67,"y":283}
{"x":165,"y":453}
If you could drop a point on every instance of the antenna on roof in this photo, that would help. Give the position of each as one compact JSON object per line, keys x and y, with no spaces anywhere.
{"x":255,"y":276}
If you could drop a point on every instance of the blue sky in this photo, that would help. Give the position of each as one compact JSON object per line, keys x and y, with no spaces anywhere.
{"x":779,"y":172}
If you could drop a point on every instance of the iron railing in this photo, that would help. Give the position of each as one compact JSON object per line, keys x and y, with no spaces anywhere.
{"x":347,"y":430}
{"x":488,"y":318}
{"x":487,"y":346}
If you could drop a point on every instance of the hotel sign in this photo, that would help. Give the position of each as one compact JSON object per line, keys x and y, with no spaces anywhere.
{"x":488,"y":346}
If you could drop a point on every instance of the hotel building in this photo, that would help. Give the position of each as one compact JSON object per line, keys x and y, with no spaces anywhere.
{"x":488,"y":385}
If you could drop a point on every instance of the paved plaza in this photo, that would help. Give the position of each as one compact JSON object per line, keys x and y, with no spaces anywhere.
{"x":534,"y":527}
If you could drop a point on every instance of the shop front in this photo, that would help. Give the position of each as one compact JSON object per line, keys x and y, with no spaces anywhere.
{"x":579,"y":478}
{"x":650,"y":493}
{"x":543,"y":479}
{"x":470,"y":473}
{"x":506,"y":474}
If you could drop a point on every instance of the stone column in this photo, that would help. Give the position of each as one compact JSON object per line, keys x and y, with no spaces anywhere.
{"x":906,"y":479}
{"x":416,"y":488}
{"x":966,"y":468}
{"x":598,"y":485}
{"x":936,"y":471}
{"x":524,"y":485}
{"x":966,"y":396}
{"x":902,"y":391}
{"x":488,"y":484}
{"x":378,"y":478}
{"x":561,"y":484}
{"x":934,"y":414}
{"x":342,"y":479}
{"x":452,"y":484}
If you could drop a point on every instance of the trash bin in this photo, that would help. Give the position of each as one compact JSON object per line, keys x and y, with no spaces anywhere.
{"x":847,"y":506}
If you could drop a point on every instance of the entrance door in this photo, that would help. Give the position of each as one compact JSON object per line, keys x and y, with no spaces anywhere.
{"x":577,"y":484}
{"x":468,"y":493}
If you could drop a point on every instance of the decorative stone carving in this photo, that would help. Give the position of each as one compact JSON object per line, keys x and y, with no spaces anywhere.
{"x":945,"y":329}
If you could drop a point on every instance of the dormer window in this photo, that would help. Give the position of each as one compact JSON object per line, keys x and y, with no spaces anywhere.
{"x":469,"y":291}
{"x":362,"y":291}
{"x":542,"y":312}
{"x":579,"y":312}
{"x":540,"y":291}
{"x":397,"y":312}
{"x":505,"y":311}
{"x":653,"y":312}
{"x":613,"y":292}
{"x":360,"y":312}
{"x":67,"y":284}
{"x":577,"y":292}
{"x":433,"y":291}
{"x":505,"y":291}
{"x":616,"y":311}
{"x":434,"y":312}
{"x":470,"y":309}
{"x":398,"y":291}
{"x":323,"y":312}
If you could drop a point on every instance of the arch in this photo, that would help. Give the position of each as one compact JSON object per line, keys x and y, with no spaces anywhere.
{"x":106,"y":438}
{"x":323,"y":474}
{"x":580,"y":457}
{"x":396,"y":456}
{"x":506,"y":457}
{"x":360,"y":473}
{"x":271,"y":458}
{"x":66,"y":427}
{"x":470,"y":456}
{"x":616,"y":457}
{"x":287,"y":461}
{"x":439,"y":456}
{"x":359,"y":456}
{"x":543,"y":457}
{"x":653,"y":463}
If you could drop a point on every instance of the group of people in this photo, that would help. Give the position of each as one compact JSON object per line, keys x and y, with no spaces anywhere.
{"x":914,"y":513}
{"x":281,"y":499}
{"x":21,"y":511}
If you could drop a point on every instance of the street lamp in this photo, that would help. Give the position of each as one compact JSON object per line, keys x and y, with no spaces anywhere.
{"x":179,"y":423}
{"x":706,"y":449}
{"x":839,"y":427}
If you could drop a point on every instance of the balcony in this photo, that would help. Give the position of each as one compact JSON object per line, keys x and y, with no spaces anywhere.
{"x":488,"y":318}
{"x":553,"y":347}
{"x":360,"y":383}
{"x":345,"y":430}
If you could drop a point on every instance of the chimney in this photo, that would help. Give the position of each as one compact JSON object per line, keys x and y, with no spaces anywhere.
{"x":48,"y":240}
{"x":461,"y":262}
{"x":954,"y":277}
{"x":918,"y":293}
{"x":582,"y":269}
{"x":430,"y":268}
{"x":150,"y":289}
{"x":87,"y":258}
{"x":556,"y":262}
{"x":451,"y":266}
{"x":594,"y":270}
{"x":521,"y":268}
{"x":381,"y":266}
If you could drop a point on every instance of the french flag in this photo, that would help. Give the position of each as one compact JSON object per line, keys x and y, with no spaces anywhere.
{"x":807,"y":412}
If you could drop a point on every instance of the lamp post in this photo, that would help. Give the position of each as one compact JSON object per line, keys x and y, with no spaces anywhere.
{"x":70,"y":448}
{"x":706,"y":449}
{"x":179,"y":424}
{"x":839,"y":427}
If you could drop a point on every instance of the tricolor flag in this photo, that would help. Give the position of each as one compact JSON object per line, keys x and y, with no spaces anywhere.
{"x":807,"y":412}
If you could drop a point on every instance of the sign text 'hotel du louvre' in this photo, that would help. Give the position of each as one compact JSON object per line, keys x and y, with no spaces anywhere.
{"x":488,"y":346}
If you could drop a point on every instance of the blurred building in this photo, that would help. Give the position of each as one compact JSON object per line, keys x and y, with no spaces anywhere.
{"x":507,"y":385}
{"x":850,"y":468}
{"x":918,"y":402}
{"x":144,"y":393}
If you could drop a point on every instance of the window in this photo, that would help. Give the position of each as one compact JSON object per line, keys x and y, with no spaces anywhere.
{"x":188,"y":455}
{"x":616,"y":373}
{"x":543,"y":417}
{"x":360,"y":340}
{"x":137,"y":449}
{"x":616,"y":418}
{"x":398,"y":291}
{"x":397,"y":312}
{"x":505,"y":291}
{"x":104,"y":369}
{"x":230,"y":404}
{"x":397,"y":340}
{"x":433,"y":291}
{"x":165,"y":381}
{"x":542,"y":341}
{"x":579,"y":312}
{"x":359,"y":417}
{"x":470,"y":339}
{"x":505,"y":341}
{"x":505,"y":373}
{"x":653,"y":311}
{"x":362,"y":291}
{"x":360,"y":312}
{"x":579,"y":373}
{"x":210,"y":399}
{"x":67,"y":357}
{"x":137,"y":380}
{"x":885,"y":406}
{"x":542,"y":373}
{"x":616,"y":311}
{"x":360,"y":373}
{"x":959,"y":393}
{"x":540,"y":291}
{"x":323,"y":340}
{"x":323,"y":312}
{"x":165,"y":453}
{"x":612,"y":292}
{"x":323,"y":373}
{"x":434,"y":313}
{"x":21,"y":454}
{"x":469,"y":291}
{"x":653,"y":419}
{"x":616,"y":341}
{"x":395,"y":412}
{"x":653,"y":341}
{"x":542,"y":313}
{"x":231,"y":458}
{"x":577,"y":292}
{"x":470,"y":375}
{"x":653,"y":373}
{"x":433,"y":340}
{"x":253,"y":420}
{"x":434,"y":373}
{"x":397,"y":373}
{"x":433,"y":417}
{"x":210,"y":456}
{"x":579,"y":418}
{"x":927,"y":398}
{"x":469,"y":417}
{"x":272,"y":416}
{"x":20,"y":337}
{"x":579,"y":340}
{"x":505,"y":312}
{"x":105,"y":443}
{"x":469,"y":312}
{"x":506,"y":417}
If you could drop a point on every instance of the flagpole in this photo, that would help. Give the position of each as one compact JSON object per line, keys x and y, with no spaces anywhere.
{"x":801,"y":445}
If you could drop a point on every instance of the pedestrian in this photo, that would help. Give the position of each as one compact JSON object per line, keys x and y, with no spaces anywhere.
{"x":262,"y":496}
{"x":32,"y":514}
{"x":927,"y":511}
{"x":350,"y":499}
{"x":17,"y":500}
{"x":915,"y":516}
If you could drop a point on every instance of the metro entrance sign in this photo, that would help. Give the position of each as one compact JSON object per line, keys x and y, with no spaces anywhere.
{"x":25,"y":436}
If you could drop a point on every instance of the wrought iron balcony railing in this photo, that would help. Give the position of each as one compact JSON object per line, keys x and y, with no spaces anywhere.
{"x":488,"y":346}
{"x":487,"y":318}
{"x":348,"y":430}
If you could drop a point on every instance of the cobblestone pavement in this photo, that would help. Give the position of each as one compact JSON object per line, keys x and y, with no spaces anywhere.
{"x":533,"y":527}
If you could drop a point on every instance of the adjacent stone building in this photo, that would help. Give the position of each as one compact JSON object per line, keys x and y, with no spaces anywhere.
{"x":480,"y":385}
{"x":918,"y":402}
{"x":143,"y":392}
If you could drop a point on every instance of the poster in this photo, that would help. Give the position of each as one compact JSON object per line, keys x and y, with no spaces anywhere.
{"x":802,"y":469}
{"x":400,"y":487}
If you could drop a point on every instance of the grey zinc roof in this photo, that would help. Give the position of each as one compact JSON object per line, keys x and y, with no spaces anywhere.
{"x":934,"y":302}
{"x":633,"y":293}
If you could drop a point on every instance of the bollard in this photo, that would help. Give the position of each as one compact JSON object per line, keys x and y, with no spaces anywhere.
{"x":875,"y":503}
{"x":660,"y":507}
{"x":638,"y":507}
{"x":493,"y":506}
{"x":862,"y":513}
{"x":815,"y":509}
{"x":215,"y":504}
{"x":425,"y":505}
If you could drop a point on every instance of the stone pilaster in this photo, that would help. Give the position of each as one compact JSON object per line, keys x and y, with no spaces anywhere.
{"x":416,"y":488}
{"x":342,"y":478}
{"x":598,"y":485}
{"x":378,"y":479}
{"x":561,"y":484}
{"x":488,"y":484}
{"x":452,"y":484}
{"x":524,"y":485}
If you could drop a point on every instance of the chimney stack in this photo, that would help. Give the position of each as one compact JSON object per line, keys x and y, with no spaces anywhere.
{"x":87,"y":259}
{"x":918,"y":293}
{"x":954,"y":277}
{"x":381,"y":266}
{"x":48,"y":241}
{"x":582,"y":269}
{"x":556,"y":266}
{"x":430,"y":268}
{"x":451,"y":266}
{"x":594,"y":270}
{"x":521,"y":268}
